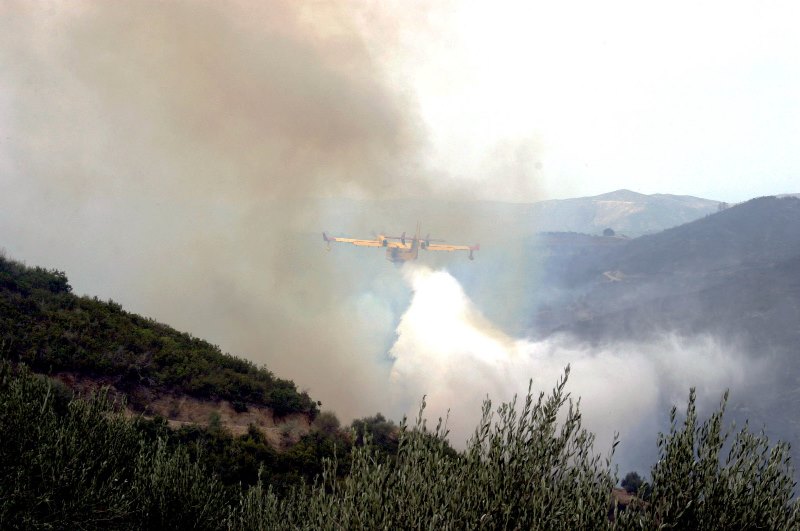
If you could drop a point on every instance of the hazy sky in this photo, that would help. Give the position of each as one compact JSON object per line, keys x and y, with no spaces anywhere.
{"x":564,"y":98}
{"x":699,"y":98}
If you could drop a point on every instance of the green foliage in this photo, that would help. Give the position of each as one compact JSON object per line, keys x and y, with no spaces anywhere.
{"x":45,"y":326}
{"x":63,"y":465}
{"x":631,"y":482}
{"x":704,"y":481}
{"x":521,"y":470}
{"x":327,"y":423}
{"x":239,"y":460}
{"x":382,"y":433}
{"x":527,"y":470}
{"x":28,"y":280}
{"x":83,"y":465}
{"x":73,"y":463}
{"x":176,"y":492}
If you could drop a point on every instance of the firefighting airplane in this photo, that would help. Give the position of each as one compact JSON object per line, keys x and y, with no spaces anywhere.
{"x":404,"y":250}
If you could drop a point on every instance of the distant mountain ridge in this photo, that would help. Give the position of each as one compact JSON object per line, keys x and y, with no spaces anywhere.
{"x":624,"y":211}
{"x":743,"y":249}
{"x":759,"y":230}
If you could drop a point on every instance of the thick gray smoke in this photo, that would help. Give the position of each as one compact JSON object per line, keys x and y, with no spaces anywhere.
{"x":177,"y":157}
{"x":202,"y":100}
{"x":170,"y":155}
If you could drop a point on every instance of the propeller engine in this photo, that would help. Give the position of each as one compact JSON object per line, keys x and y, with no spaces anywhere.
{"x":427,"y":241}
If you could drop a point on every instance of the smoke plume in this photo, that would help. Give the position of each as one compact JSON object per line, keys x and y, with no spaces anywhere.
{"x":446,"y":350}
{"x":172,"y":155}
{"x":181,"y":158}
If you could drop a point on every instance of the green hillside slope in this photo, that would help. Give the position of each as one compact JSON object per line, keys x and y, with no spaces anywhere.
{"x":52,"y":330}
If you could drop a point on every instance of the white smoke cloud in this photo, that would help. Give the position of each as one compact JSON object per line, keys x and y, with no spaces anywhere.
{"x":447,"y":350}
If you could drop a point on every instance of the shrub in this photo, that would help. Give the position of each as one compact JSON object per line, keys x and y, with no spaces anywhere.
{"x":631,"y":482}
{"x":327,"y":423}
{"x":521,"y":469}
{"x":697,"y":484}
{"x":80,"y":464}
{"x":87,"y":466}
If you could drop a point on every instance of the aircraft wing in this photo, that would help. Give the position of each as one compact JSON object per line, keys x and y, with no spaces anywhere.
{"x":445,"y":247}
{"x":354,"y":241}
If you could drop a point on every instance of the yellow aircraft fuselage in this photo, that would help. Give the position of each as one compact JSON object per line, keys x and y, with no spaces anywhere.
{"x":399,"y":255}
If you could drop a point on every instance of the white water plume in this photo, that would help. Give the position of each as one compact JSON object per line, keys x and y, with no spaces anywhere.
{"x":447,"y":350}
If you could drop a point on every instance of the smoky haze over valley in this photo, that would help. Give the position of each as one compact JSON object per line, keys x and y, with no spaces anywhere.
{"x":183,"y":158}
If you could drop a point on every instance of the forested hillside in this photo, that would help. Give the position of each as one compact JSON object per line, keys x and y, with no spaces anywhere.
{"x":52,"y":330}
